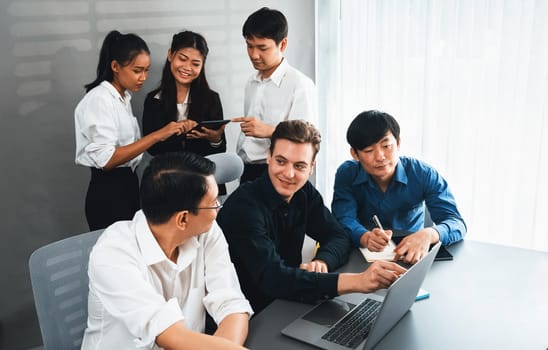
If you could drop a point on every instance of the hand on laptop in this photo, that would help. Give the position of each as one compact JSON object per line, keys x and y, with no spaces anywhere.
{"x":314,"y":266}
{"x":414,"y":247}
{"x":376,"y":239}
{"x":381,"y":274}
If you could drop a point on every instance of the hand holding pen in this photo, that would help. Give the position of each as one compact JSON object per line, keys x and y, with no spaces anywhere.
{"x":378,"y":237}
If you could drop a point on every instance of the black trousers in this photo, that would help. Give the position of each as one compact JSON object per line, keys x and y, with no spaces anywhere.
{"x":252,"y":171}
{"x":112,"y":196}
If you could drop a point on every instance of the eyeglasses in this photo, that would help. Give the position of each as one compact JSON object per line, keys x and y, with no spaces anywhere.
{"x":217,"y":207}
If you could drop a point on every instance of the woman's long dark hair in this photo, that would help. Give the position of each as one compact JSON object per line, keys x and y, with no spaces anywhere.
{"x":122,"y":48}
{"x":199,"y":88}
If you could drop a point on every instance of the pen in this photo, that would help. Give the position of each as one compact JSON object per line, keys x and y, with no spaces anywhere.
{"x":377,"y":222}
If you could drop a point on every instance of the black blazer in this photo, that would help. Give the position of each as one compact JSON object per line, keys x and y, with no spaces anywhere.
{"x":155,"y":117}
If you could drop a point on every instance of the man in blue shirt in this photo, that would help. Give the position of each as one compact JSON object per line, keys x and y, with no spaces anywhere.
{"x":395,"y":188}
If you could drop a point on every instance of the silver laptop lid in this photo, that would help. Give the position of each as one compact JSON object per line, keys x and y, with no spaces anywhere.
{"x":399,"y":298}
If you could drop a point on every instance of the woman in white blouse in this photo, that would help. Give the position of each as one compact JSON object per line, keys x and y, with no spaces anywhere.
{"x":108,"y":139}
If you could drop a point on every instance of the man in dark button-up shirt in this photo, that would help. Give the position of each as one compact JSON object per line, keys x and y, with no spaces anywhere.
{"x":265,"y":222}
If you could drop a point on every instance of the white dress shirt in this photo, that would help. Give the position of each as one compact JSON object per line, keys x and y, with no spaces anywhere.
{"x":182,"y":108}
{"x":103,"y":121}
{"x":286,"y":94}
{"x":136,"y":292}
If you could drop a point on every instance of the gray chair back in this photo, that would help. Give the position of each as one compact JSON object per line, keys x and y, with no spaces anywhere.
{"x":228,"y":167}
{"x":58,"y":274}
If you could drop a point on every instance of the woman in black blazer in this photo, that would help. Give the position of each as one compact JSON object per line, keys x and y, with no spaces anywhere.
{"x":184,"y":96}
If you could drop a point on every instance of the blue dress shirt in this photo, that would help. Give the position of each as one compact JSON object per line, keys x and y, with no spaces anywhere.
{"x":357,"y":198}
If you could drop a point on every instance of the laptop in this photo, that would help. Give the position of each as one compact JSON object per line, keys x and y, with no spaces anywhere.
{"x":360,"y":321}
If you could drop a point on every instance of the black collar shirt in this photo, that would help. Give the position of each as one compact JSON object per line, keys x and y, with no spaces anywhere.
{"x":265,"y":235}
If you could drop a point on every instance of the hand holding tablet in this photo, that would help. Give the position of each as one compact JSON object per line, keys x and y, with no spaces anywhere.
{"x":210,"y":124}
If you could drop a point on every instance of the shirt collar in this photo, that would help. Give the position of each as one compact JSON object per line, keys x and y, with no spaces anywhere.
{"x":278,"y":74}
{"x":400,"y":175}
{"x":108,"y":85}
{"x":363,"y":176}
{"x":151,"y":250}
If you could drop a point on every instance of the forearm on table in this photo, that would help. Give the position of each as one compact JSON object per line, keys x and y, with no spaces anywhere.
{"x":234,"y":327}
{"x":178,"y":337}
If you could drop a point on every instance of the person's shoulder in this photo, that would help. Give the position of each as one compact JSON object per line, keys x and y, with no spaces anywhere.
{"x":299,"y":77}
{"x":251,"y":197}
{"x":242,"y":204}
{"x":349,"y":173}
{"x":101,"y":91}
{"x":153,"y":95}
{"x":418,"y":170}
{"x":116,"y":240}
{"x":153,"y":106}
{"x":415,"y":164}
{"x":212,"y":96}
{"x":310,"y":189}
{"x":247,"y":194}
{"x":96,"y":97}
{"x":119,"y":231}
{"x":348,"y":167}
{"x":213,"y":93}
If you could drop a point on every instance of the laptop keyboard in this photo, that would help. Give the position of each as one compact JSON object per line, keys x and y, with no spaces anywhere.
{"x":354,"y":326}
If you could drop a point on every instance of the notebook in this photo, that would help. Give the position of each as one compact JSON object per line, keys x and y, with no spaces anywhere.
{"x":388,"y":252}
{"x":377,"y":314}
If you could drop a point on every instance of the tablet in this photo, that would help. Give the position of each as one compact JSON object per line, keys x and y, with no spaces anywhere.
{"x":211,"y":124}
{"x":443,"y":254}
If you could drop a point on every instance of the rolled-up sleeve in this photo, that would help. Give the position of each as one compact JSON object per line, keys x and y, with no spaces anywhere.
{"x":98,"y":127}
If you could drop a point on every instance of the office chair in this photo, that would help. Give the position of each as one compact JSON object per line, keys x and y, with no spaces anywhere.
{"x":228,"y":167}
{"x":58,"y":274}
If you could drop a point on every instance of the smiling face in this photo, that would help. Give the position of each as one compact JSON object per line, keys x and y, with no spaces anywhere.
{"x":186,"y":65}
{"x":380,"y":159}
{"x":264,"y":54}
{"x":131,"y":76}
{"x":290,"y":165}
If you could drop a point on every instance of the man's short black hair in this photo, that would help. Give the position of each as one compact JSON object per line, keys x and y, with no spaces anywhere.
{"x":266,"y":23}
{"x":369,"y":127}
{"x":173,"y":182}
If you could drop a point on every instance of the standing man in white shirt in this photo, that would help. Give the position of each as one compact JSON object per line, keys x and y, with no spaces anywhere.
{"x":276,"y":92}
{"x":153,"y":278}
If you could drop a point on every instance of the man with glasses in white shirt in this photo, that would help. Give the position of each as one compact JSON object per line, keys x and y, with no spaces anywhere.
{"x":153,"y":278}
